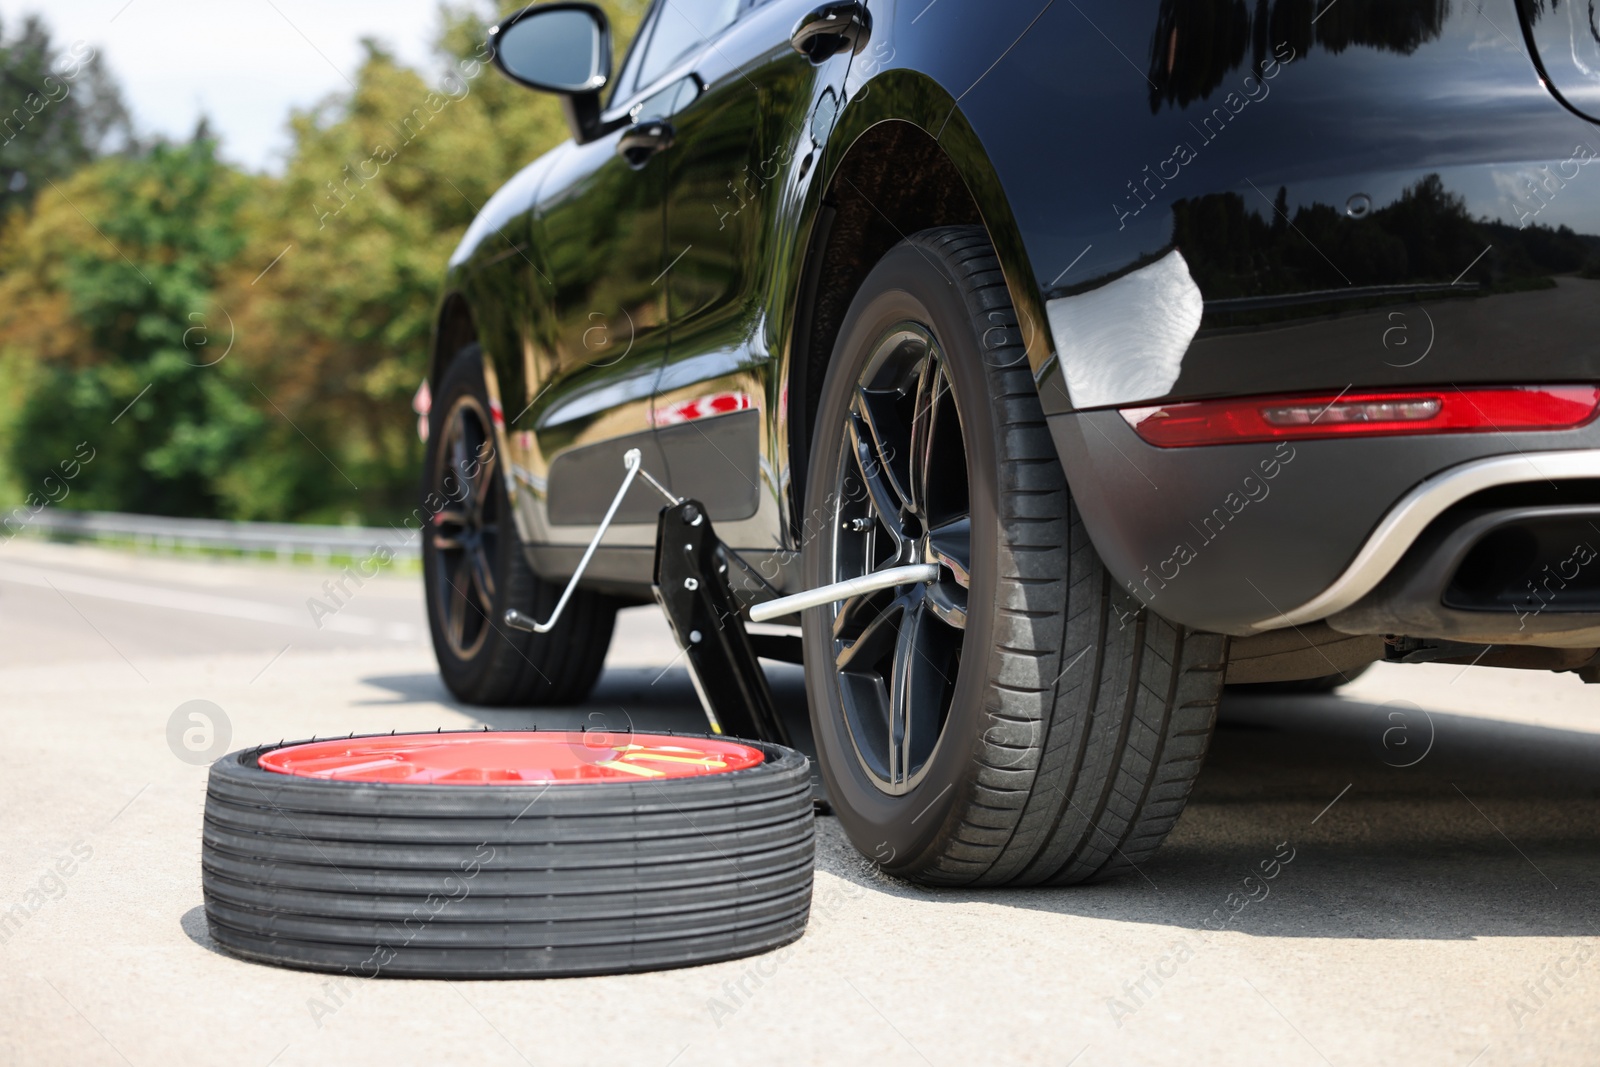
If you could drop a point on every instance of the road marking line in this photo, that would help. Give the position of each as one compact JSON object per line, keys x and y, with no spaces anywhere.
{"x":200,"y":603}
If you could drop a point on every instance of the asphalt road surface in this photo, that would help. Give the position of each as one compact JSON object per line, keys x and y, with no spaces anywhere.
{"x":1436,"y":901}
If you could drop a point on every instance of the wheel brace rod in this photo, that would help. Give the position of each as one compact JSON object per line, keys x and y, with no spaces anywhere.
{"x":691,"y":585}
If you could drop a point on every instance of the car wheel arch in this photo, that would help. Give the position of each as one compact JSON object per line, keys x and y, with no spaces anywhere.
{"x":457,"y":326}
{"x":454,"y":328}
{"x":868,"y":207}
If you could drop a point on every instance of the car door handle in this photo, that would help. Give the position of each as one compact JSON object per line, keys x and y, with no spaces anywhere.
{"x":830,"y":29}
{"x":638,"y":143}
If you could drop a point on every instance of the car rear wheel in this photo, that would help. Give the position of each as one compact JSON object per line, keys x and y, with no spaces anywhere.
{"x":474,"y":568}
{"x":1020,"y":720}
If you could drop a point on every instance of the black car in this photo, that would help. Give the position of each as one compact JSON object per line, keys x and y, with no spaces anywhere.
{"x":1177,"y":342}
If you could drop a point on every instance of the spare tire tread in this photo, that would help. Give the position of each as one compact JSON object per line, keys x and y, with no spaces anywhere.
{"x":527,"y":881}
{"x":364,"y":961}
{"x":533,"y":933}
{"x":573,"y":855}
{"x":507,"y":881}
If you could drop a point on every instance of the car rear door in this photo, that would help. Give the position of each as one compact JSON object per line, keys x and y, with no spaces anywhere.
{"x":743,"y":147}
{"x":604,"y":337}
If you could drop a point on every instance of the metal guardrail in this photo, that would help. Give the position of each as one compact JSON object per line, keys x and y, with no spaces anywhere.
{"x":281,"y":539}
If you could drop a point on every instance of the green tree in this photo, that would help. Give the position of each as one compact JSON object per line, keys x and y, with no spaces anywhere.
{"x":120,"y":284}
{"x":128,"y":253}
{"x":381,"y":184}
{"x":58,"y":111}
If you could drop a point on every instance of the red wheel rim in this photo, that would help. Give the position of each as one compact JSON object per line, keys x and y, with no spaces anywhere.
{"x":504,"y":758}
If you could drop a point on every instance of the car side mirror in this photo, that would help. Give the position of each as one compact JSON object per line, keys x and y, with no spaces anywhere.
{"x":562,"y":48}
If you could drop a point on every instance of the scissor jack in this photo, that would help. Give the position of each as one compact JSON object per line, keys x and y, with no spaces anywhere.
{"x":692,"y":586}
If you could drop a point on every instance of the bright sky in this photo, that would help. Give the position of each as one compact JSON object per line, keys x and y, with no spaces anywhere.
{"x":243,"y":63}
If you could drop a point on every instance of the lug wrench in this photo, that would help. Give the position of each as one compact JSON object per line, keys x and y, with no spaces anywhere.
{"x":888,"y":578}
{"x":633,"y":461}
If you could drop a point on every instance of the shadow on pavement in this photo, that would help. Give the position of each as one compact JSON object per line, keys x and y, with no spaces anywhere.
{"x":1425,"y":826}
{"x":1495,"y":832}
{"x":195,"y":928}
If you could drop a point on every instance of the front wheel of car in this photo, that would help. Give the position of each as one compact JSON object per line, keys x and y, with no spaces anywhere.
{"x":1020,"y":720}
{"x":474,"y":568}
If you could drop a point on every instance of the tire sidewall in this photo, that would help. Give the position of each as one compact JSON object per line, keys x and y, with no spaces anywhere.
{"x":896,"y":831}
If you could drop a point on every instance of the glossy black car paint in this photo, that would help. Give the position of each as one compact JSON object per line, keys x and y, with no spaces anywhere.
{"x":1372,"y":193}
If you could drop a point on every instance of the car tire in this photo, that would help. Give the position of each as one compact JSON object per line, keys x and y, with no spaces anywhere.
{"x":474,"y":568}
{"x":507,"y":880}
{"x":1070,"y":723}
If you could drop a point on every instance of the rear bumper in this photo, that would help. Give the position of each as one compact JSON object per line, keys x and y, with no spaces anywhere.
{"x":1504,"y":574}
{"x":1241,"y":539}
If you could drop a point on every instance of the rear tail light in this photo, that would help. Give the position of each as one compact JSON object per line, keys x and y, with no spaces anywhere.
{"x":1365,"y":414}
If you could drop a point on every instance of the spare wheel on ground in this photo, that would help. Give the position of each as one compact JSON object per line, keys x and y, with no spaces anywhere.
{"x":507,"y":854}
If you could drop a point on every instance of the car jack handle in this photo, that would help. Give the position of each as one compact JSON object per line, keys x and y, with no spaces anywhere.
{"x":631,"y":460}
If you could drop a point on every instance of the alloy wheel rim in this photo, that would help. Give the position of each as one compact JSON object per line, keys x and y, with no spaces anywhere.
{"x":901,"y":497}
{"x":465,"y":531}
